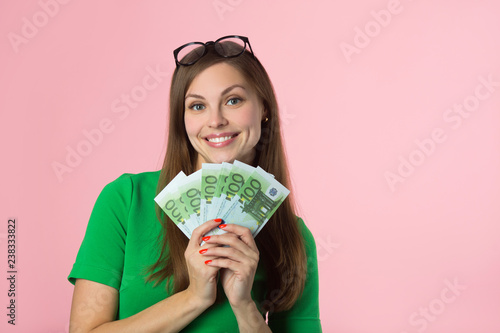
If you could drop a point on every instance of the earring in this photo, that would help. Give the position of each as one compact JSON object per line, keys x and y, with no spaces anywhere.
{"x":265,"y":120}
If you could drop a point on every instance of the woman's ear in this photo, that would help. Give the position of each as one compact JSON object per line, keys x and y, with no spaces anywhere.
{"x":265,"y":116}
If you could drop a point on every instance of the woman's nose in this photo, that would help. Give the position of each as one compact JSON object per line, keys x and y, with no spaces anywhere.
{"x":216,"y":118}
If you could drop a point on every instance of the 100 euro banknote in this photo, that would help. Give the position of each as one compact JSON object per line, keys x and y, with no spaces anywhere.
{"x":255,"y":202}
{"x":166,"y":199}
{"x":238,"y":193}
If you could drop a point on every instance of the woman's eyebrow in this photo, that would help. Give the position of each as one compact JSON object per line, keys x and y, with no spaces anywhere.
{"x":225,"y":91}
{"x":194,"y":96}
{"x":228,"y":89}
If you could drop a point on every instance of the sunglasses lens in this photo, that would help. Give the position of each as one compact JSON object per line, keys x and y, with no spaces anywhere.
{"x":230,"y":47}
{"x":191,"y":53}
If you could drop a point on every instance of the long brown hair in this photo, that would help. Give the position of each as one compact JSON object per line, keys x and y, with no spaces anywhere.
{"x":280,"y":243}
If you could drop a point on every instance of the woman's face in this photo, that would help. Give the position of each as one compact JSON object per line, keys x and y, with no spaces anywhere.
{"x":223,"y":116}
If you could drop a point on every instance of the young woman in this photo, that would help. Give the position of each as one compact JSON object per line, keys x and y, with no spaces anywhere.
{"x":135,"y":274}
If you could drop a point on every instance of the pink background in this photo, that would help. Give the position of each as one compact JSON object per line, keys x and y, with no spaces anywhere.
{"x":388,"y":252}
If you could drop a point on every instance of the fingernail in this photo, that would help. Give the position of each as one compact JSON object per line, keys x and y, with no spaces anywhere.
{"x":218,"y":220}
{"x":203,"y":251}
{"x":206,"y":238}
{"x":208,"y":262}
{"x":222,"y":226}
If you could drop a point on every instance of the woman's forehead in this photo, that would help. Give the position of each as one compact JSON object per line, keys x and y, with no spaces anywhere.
{"x":217,"y":78}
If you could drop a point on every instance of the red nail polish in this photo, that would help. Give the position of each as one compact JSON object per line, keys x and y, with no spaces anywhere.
{"x":222,"y":226}
{"x":206,"y":238}
{"x":218,"y":220}
{"x":203,"y":251}
{"x":208,"y":262}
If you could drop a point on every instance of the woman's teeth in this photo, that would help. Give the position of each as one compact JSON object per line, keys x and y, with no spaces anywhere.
{"x":220,"y":139}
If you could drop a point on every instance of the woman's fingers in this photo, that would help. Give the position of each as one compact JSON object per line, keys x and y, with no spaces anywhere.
{"x":243,"y":233}
{"x":225,"y":252}
{"x":192,"y":255}
{"x":239,"y":246}
{"x":230,"y":253}
{"x":199,"y":232}
{"x":242,"y":269}
{"x":236,"y":249}
{"x":237,"y":236}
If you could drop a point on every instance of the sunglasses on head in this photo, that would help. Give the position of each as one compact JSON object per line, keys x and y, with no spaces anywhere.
{"x":227,"y":47}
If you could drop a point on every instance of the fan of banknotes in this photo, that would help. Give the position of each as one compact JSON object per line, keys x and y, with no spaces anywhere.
{"x":237,"y":193}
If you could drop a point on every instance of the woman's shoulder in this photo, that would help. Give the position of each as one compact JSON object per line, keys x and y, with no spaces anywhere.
{"x":128,"y":185}
{"x":146,"y":178}
{"x":306,"y":234}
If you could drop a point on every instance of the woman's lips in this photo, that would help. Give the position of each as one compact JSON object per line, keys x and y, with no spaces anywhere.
{"x":220,"y":140}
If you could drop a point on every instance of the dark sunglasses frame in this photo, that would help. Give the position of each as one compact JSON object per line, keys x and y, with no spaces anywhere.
{"x":244,"y":39}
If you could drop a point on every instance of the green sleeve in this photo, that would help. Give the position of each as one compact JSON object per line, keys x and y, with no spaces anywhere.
{"x":304,"y":315}
{"x":102,"y":251}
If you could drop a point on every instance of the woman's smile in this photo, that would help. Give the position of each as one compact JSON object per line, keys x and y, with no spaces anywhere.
{"x":220,"y":140}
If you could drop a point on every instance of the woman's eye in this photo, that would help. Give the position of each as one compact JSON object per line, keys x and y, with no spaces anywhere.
{"x":233,"y":101}
{"x":197,"y":107}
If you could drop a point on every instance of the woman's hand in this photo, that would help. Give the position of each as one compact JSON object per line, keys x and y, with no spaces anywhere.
{"x":202,"y":277}
{"x":238,"y":262}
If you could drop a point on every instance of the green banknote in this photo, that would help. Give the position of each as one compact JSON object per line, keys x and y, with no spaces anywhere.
{"x":209,"y":176}
{"x":190,"y":196}
{"x":167,"y":200}
{"x":238,"y":193}
{"x":256,"y":201}
{"x":221,"y":183}
{"x":238,"y":175}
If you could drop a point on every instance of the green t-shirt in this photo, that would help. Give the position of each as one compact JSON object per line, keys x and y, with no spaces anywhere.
{"x":121,"y":242}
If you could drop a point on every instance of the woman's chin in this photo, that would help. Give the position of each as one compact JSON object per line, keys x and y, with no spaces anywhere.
{"x":221,"y":159}
{"x":229,"y":158}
